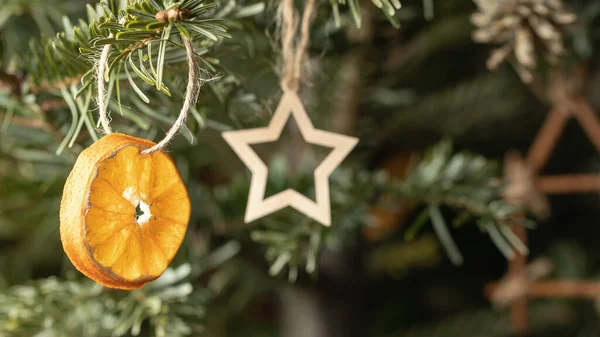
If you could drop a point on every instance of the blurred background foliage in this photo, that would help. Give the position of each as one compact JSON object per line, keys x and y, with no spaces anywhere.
{"x":419,"y":223}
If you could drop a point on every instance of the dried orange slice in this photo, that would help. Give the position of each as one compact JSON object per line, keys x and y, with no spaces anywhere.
{"x":123,"y":215}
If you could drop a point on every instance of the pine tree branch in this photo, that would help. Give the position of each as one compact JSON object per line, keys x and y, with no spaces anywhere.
{"x":71,"y":55}
{"x":468,"y":184}
{"x":64,"y":65}
{"x":170,"y":306}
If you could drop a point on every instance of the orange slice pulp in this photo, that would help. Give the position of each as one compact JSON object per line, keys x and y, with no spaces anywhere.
{"x":123,"y":215}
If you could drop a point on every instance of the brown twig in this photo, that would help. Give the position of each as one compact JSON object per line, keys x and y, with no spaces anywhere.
{"x":521,"y":192}
{"x":517,"y":268}
{"x":512,"y":288}
{"x":589,"y":121}
{"x":569,"y":183}
{"x":559,"y":288}
{"x":546,"y":139}
{"x":516,"y":286}
{"x":522,"y":189}
{"x":565,"y":288}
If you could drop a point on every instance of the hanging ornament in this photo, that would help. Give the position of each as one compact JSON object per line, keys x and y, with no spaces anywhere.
{"x":290,"y":105}
{"x":522,"y":27}
{"x":123,"y":214}
{"x":125,"y":209}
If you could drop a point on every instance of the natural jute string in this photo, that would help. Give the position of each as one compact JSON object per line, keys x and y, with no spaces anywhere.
{"x":101,"y":91}
{"x":191,"y":94}
{"x":292,"y":67}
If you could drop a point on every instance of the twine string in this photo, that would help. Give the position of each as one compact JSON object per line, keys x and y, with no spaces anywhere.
{"x":292,"y":59}
{"x":104,"y":119}
{"x":190,"y":96}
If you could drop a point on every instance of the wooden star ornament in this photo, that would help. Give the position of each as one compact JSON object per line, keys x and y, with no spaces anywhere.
{"x":240,"y":141}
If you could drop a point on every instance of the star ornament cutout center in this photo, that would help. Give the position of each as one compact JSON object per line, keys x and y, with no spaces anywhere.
{"x":240,"y":141}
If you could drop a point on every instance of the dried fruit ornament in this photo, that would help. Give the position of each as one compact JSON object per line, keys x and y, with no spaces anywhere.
{"x":125,"y":209}
{"x":101,"y":233}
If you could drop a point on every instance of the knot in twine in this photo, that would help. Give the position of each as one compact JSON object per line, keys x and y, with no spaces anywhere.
{"x":292,"y":59}
{"x":190,"y":96}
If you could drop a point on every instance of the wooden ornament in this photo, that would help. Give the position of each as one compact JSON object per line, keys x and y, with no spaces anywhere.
{"x":241,"y":140}
{"x":531,"y":189}
{"x":100,"y":231}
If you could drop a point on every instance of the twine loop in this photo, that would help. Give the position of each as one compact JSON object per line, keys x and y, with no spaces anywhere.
{"x":292,"y":59}
{"x":190,"y":96}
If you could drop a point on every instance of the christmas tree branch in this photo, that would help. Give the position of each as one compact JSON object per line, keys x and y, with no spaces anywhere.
{"x":468,"y":184}
{"x":131,"y":30}
{"x":144,"y":39}
{"x":171,"y":307}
